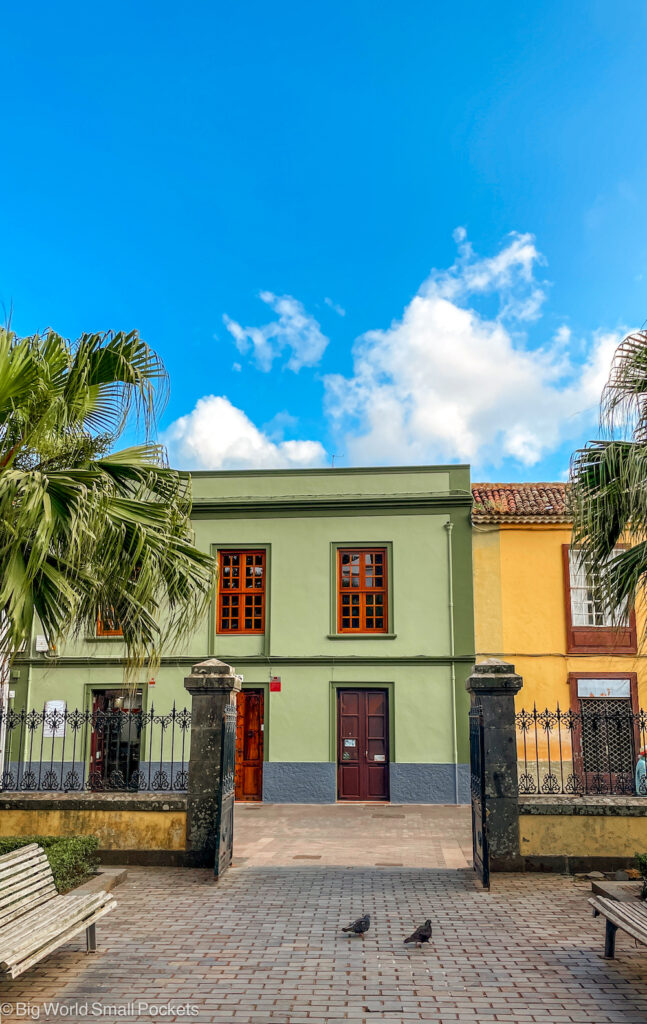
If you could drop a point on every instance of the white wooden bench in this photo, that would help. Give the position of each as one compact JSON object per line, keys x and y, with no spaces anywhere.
{"x":34,"y":919}
{"x":629,"y":916}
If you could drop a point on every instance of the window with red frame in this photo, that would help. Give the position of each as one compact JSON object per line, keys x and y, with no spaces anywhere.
{"x":589,"y":627}
{"x":361,"y":590}
{"x":241,"y":591}
{"x":108,"y":623}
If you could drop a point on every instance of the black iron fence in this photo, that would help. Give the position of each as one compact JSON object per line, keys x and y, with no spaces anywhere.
{"x":62,"y":750}
{"x":593,"y":750}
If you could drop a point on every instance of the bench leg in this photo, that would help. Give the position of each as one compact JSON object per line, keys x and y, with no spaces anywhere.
{"x":610,"y":941}
{"x":91,"y":938}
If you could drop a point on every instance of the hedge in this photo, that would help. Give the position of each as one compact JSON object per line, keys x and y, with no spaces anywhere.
{"x":73,"y":859}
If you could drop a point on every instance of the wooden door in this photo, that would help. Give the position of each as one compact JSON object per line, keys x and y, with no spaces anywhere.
{"x":362,"y":745}
{"x":249,"y":745}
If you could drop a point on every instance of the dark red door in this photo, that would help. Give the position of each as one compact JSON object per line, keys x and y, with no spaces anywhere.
{"x":249,"y":745}
{"x":362,"y":745}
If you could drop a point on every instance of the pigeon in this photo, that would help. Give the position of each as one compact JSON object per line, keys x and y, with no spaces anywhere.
{"x":361,"y":925}
{"x":421,"y":934}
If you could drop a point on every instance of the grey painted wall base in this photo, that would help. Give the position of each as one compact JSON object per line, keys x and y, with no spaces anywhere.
{"x":315,"y":782}
{"x":297,"y":782}
{"x":429,"y":784}
{"x":73,"y":776}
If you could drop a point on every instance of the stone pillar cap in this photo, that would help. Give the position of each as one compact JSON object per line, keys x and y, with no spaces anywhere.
{"x":212,"y":674}
{"x":493,"y":674}
{"x":211,"y":667}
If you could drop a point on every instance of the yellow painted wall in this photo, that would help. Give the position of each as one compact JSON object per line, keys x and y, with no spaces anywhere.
{"x":117,"y":830}
{"x":561,"y":835}
{"x":519,"y":612}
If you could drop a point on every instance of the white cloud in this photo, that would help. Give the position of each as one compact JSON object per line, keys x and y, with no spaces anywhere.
{"x":217,"y":435}
{"x":449,"y":382}
{"x":294,"y":330}
{"x":337,"y":308}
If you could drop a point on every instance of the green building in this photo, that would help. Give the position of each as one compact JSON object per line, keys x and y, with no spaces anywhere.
{"x":345,"y":602}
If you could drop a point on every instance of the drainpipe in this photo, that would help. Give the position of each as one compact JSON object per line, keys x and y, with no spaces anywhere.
{"x":449,"y":526}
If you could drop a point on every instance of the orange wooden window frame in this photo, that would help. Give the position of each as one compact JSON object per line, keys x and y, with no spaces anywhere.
{"x":363,"y":590}
{"x":103,"y":631}
{"x":241,"y":591}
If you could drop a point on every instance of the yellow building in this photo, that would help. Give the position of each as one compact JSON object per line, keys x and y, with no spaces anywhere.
{"x":532,"y":607}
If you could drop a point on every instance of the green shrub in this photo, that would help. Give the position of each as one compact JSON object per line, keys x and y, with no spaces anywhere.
{"x":72,"y":858}
{"x":641,"y":864}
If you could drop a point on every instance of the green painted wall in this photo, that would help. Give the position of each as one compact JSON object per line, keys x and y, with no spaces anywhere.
{"x":409,"y":510}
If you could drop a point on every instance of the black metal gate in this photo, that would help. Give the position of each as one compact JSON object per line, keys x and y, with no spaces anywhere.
{"x":477,"y":786}
{"x":225,"y":824}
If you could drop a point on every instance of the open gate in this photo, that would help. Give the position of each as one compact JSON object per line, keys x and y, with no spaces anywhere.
{"x":477,"y":786}
{"x":225,"y":824}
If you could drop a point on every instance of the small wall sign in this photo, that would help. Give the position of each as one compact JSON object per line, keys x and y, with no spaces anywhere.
{"x":275,"y":684}
{"x":54,"y":719}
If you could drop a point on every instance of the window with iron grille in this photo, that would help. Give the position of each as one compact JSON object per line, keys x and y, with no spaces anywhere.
{"x":241,"y":591}
{"x":607,"y":735}
{"x":362,"y":590}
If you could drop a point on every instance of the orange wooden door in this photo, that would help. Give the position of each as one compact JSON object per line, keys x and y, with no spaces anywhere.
{"x":249,"y":745}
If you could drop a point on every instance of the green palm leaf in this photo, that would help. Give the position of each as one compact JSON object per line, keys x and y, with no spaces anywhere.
{"x":608,"y":483}
{"x":82,"y":527}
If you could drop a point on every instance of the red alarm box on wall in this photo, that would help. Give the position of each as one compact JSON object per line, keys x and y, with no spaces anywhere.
{"x":275,"y":684}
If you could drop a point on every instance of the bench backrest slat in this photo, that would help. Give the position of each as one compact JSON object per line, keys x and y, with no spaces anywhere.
{"x":26,"y":880}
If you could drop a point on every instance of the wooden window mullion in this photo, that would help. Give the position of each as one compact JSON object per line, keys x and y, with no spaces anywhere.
{"x":363,"y":591}
{"x":250,"y":604}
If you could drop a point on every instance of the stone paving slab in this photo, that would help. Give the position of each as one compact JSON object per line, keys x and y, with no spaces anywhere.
{"x":353,"y":835}
{"x":264,"y":946}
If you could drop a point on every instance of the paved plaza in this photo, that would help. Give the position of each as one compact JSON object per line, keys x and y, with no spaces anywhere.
{"x":265,"y":946}
{"x":353,"y":835}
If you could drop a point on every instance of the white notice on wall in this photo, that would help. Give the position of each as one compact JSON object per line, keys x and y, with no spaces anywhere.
{"x":54,"y":723}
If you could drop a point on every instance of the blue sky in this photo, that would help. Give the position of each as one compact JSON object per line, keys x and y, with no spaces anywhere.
{"x":389,"y":232}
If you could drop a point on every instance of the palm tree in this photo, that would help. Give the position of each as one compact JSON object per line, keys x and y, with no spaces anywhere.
{"x":83,"y":528}
{"x":608,"y":483}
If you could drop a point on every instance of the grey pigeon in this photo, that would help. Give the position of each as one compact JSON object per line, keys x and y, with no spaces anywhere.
{"x":361,"y":925}
{"x":421,"y":934}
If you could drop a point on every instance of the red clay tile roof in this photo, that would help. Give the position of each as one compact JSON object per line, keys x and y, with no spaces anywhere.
{"x":520,"y":503}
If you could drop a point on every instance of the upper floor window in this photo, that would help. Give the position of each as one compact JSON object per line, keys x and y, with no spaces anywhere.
{"x":108,"y":623}
{"x":241,"y":591}
{"x":361,"y":590}
{"x":587,"y":609}
{"x":591,"y":628}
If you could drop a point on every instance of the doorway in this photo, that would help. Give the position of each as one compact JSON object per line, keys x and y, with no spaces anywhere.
{"x":115,"y":739}
{"x":362,"y":744}
{"x":249,"y":745}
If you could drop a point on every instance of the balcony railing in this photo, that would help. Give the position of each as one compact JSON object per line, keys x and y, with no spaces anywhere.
{"x":63,"y":750}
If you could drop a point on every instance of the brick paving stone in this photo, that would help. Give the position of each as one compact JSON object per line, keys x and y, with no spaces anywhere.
{"x":264,"y":946}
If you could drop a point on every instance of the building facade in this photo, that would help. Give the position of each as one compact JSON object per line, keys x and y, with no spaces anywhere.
{"x":534,"y":608}
{"x":345,"y":602}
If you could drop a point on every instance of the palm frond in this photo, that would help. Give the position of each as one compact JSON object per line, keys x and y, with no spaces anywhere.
{"x":82,"y":529}
{"x":607,"y":494}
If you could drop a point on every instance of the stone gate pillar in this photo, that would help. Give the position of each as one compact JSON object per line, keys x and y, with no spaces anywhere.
{"x":212,"y":685}
{"x":493,"y":684}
